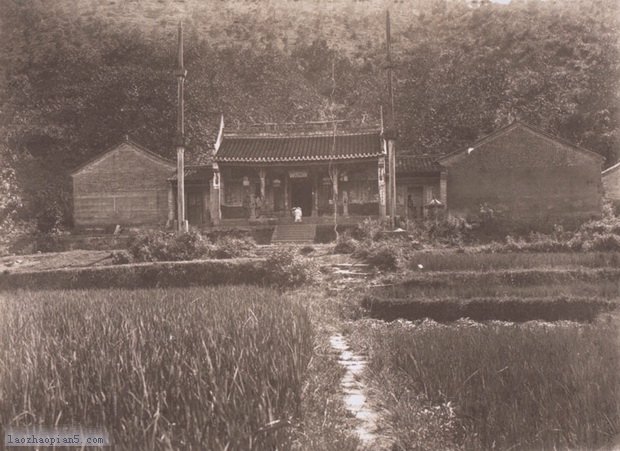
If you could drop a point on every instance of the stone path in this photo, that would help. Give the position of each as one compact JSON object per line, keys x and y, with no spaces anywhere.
{"x":355,"y":392}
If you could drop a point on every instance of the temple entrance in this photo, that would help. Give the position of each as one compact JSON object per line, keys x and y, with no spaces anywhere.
{"x":301,"y":195}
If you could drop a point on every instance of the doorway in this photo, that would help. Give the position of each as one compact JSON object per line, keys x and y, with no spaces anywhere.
{"x":301,"y":195}
{"x":195,"y":210}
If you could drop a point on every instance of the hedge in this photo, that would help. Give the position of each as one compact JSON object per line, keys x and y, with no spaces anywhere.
{"x":146,"y":275}
{"x":484,"y":309}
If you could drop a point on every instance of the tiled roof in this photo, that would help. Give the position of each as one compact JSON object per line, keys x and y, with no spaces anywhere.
{"x":290,"y":148}
{"x":417,"y":163}
{"x":196,"y":174}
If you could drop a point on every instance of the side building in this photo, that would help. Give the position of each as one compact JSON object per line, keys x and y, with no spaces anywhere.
{"x":126,"y":184}
{"x":526,"y":177}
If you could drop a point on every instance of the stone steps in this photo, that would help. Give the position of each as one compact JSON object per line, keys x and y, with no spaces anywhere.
{"x":294,"y":233}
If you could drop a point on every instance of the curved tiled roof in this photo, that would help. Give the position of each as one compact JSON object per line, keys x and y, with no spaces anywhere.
{"x":299,"y":148}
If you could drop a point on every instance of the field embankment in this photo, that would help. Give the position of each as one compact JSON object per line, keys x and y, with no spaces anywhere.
{"x":568,"y":286}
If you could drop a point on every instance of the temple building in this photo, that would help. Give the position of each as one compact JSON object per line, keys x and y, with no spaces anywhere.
{"x":338,"y":170}
{"x":264,"y":174}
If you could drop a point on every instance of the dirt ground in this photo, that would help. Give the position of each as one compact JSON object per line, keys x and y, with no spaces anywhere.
{"x":54,"y":260}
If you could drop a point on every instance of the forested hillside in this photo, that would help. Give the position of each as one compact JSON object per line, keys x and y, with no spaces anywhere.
{"x":77,"y":75}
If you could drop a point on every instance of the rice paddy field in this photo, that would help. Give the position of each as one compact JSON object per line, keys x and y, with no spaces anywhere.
{"x":200,"y":368}
{"x":517,"y":384}
{"x":470,"y":385}
{"x":245,"y":367}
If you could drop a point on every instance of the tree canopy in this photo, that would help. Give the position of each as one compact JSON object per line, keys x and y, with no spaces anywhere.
{"x":77,"y":76}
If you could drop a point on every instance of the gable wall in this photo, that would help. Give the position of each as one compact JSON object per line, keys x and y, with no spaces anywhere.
{"x":529,"y":179}
{"x":124,"y":187}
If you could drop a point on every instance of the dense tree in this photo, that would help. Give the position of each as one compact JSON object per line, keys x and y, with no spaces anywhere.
{"x":76,"y":76}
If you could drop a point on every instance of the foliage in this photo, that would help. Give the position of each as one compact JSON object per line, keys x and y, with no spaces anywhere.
{"x":382,"y":255}
{"x":228,"y":247}
{"x":307,"y":250}
{"x":476,"y":260}
{"x":121,"y":257}
{"x":288,"y":269}
{"x":81,"y":75}
{"x":345,"y":244}
{"x":155,"y":245}
{"x":531,"y":386}
{"x":198,"y":368}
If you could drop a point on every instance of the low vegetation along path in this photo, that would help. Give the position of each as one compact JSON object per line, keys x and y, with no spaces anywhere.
{"x":355,"y":392}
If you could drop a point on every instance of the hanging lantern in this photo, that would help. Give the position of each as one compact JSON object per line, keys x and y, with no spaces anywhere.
{"x":276,"y":183}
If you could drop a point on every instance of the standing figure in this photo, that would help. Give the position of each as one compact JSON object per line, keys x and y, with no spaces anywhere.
{"x":297,"y":214}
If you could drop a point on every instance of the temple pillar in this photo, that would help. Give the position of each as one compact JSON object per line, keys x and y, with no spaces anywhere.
{"x":382,"y":190}
{"x":287,"y":208}
{"x":216,"y":211}
{"x":315,"y":194}
{"x":334,"y":177}
{"x":443,"y":189}
{"x":262,"y":173}
{"x":170,"y":221}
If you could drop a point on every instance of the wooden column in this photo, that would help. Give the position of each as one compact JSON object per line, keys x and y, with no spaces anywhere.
{"x":382,"y":191}
{"x":286,"y":201}
{"x":334,"y":177}
{"x":170,"y":222}
{"x":443,"y":189}
{"x":183,"y":226}
{"x":262,"y":173}
{"x":216,"y":211}
{"x":315,"y":194}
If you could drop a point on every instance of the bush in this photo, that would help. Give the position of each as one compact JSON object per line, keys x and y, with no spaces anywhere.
{"x":228,"y":247}
{"x":606,"y":242}
{"x":345,"y":245}
{"x":384,"y":255}
{"x":153,"y":245}
{"x":289,"y":270}
{"x":306,"y":250}
{"x":49,"y":218}
{"x":121,"y":257}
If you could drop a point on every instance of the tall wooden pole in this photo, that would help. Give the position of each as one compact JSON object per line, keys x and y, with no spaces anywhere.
{"x":391,"y":128}
{"x":180,"y":73}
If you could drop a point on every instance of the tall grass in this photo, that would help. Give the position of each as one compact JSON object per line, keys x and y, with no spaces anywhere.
{"x":499,"y":386}
{"x":195,"y":368}
{"x":453,"y":261}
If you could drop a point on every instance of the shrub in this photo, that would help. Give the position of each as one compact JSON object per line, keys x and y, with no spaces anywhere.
{"x":345,"y":245}
{"x":289,"y":270}
{"x":606,"y":242}
{"x":369,"y":229}
{"x":384,"y":255}
{"x":121,"y":257}
{"x":228,"y":247}
{"x":153,"y":245}
{"x":306,"y":250}
{"x":49,"y":218}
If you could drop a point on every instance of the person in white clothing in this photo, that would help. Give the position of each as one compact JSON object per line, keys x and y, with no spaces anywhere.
{"x":297,"y":214}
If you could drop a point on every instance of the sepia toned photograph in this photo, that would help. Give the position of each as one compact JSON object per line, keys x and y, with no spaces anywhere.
{"x":330,"y":225}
